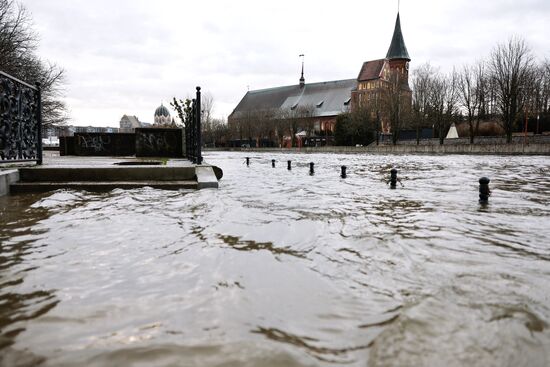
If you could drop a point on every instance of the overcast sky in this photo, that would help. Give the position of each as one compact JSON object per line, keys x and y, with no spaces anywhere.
{"x":126,"y":56}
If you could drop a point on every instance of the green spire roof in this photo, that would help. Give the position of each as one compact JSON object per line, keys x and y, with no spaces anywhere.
{"x":398,"y":50}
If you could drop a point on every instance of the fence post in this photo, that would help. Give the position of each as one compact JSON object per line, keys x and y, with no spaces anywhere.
{"x":199,"y":140}
{"x":39,"y":124}
{"x":192,"y":123}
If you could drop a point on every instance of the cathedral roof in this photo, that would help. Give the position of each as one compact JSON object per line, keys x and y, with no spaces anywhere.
{"x":371,"y":70}
{"x":323,"y":99}
{"x":397,"y":49}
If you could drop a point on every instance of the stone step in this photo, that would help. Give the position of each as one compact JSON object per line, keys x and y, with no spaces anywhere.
{"x":106,"y":174}
{"x":26,"y":187}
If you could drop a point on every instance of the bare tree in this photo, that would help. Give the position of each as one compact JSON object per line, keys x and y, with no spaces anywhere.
{"x":540,"y":99}
{"x":295,"y":119}
{"x":394,"y":99}
{"x":511,"y":65}
{"x":219,"y":131}
{"x":451,"y":99}
{"x":17,"y":39}
{"x":544,"y":94}
{"x":469,"y":97}
{"x":207,"y":105}
{"x":18,"y":46}
{"x":421,"y":84}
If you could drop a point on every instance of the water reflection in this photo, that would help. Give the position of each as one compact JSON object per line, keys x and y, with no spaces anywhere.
{"x":19,"y":303}
{"x":324,"y":354}
{"x":238,"y":244}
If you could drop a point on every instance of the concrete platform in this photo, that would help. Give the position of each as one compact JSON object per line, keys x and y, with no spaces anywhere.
{"x":22,"y":187}
{"x":108,"y":173}
{"x":102,"y":173}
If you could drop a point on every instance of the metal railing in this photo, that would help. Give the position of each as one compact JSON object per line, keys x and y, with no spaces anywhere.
{"x":193,"y":142}
{"x":20,"y":121}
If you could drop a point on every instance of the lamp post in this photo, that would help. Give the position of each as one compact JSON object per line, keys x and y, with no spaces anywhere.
{"x":538,"y":119}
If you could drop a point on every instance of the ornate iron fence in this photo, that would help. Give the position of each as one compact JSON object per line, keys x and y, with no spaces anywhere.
{"x":20,"y":121}
{"x":193,"y":140}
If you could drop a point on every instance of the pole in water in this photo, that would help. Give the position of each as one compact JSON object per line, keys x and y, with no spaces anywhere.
{"x":247,"y":161}
{"x":393,"y":178}
{"x":484,"y":191}
{"x":289,"y":165}
{"x":343,"y":174}
{"x":273,"y":163}
{"x":312,"y":168}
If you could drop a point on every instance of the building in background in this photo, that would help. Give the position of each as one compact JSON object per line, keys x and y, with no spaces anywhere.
{"x":129,"y":123}
{"x":162,"y":117}
{"x":307,"y":113}
{"x":377,"y":77}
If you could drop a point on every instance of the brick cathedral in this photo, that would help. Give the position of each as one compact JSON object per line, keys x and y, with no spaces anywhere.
{"x":316,"y":105}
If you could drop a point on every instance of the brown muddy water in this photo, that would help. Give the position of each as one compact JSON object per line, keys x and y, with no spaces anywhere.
{"x":280,"y":268}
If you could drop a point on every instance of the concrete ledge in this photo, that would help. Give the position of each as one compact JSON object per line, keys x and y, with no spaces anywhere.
{"x":6,"y":179}
{"x":27,"y":187}
{"x":112,"y":173}
{"x":206,"y":178}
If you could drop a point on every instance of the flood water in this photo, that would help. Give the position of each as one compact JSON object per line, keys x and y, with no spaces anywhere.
{"x":280,"y":268}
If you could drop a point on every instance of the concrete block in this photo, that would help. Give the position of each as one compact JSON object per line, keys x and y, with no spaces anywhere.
{"x":6,"y":179}
{"x":206,"y":178}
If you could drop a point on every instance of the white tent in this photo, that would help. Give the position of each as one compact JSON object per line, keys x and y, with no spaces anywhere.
{"x":452,"y":134}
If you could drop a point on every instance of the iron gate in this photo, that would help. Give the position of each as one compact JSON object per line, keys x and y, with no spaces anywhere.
{"x":20,"y":121}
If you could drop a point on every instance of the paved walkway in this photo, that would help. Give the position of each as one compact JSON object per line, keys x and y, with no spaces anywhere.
{"x":53,"y":159}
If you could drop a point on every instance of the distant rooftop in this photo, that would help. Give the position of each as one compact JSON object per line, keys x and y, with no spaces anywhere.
{"x":323,"y":98}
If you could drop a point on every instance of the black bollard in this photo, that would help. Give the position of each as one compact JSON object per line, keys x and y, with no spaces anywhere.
{"x":393,"y":178}
{"x":289,"y":165}
{"x":484,"y":191}
{"x":247,"y":161}
{"x":343,"y":174}
{"x":273,"y":163}
{"x":312,"y":168}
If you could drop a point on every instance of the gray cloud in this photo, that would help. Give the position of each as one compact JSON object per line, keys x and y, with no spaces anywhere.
{"x":125,"y":56}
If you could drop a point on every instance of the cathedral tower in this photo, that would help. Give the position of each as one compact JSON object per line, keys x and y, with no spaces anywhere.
{"x":398,"y":55}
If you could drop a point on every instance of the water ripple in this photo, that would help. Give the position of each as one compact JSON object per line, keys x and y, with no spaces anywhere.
{"x":280,"y":268}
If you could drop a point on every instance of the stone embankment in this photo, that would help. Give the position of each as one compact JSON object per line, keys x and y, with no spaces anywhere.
{"x":532,"y":145}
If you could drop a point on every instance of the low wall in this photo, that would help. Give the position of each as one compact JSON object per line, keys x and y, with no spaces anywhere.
{"x":6,"y":179}
{"x":488,"y":149}
{"x":159,"y":143}
{"x":66,"y":145}
{"x":104,"y":144}
{"x":505,"y":149}
{"x":147,"y":142}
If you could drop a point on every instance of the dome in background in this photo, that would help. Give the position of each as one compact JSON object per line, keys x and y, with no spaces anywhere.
{"x":162,"y":116}
{"x":162,"y":111}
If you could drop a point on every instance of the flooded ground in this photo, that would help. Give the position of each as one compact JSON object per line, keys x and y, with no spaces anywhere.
{"x":280,"y":268}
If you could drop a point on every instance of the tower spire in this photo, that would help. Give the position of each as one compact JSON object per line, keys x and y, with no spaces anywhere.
{"x":302,"y":79}
{"x":397,"y":49}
